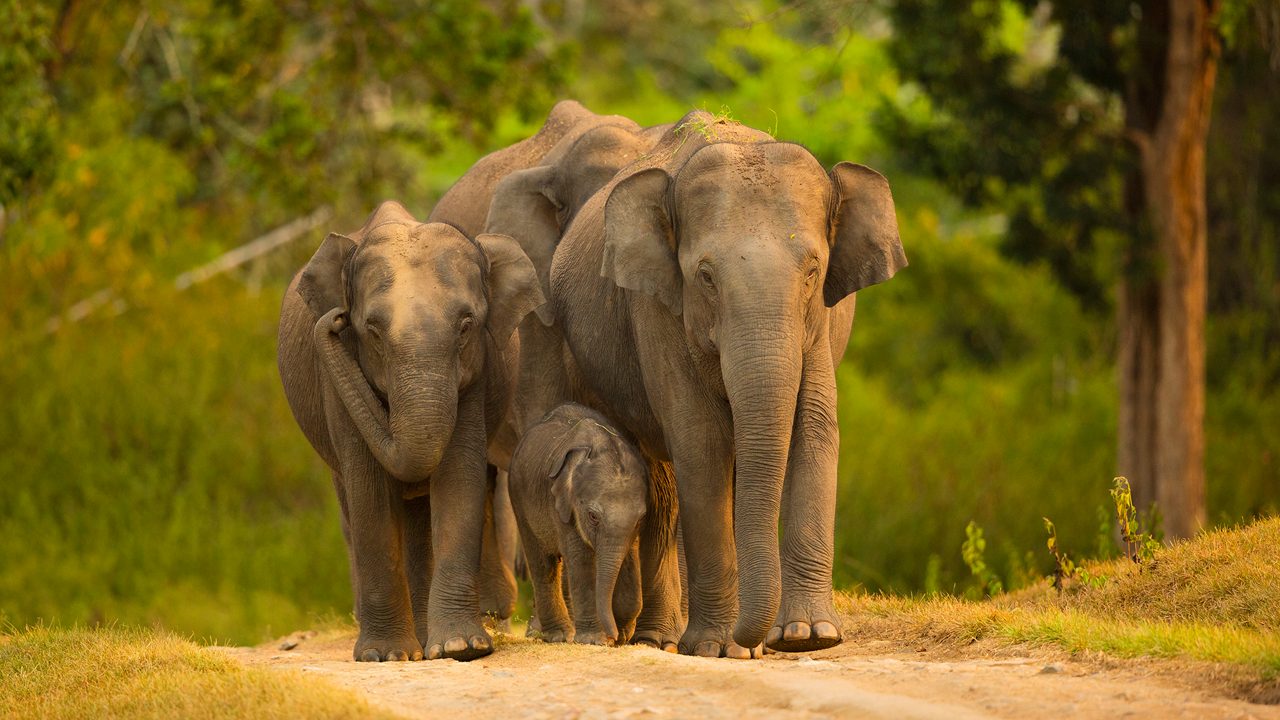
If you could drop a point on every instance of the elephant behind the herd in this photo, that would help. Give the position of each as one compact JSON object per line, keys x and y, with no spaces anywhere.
{"x":701,"y":279}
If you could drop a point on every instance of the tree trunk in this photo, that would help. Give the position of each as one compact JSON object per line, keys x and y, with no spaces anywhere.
{"x":1162,"y":302}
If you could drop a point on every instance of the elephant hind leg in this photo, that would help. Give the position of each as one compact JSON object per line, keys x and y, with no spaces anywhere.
{"x":418,"y":561}
{"x":497,"y":576}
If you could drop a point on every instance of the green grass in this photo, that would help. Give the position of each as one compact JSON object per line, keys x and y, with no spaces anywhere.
{"x":1215,"y":598}
{"x":118,"y":673}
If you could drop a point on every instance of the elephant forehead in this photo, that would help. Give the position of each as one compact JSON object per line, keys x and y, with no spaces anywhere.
{"x":411,"y":265}
{"x":771,"y":182}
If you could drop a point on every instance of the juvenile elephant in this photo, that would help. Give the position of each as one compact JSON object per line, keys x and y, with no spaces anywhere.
{"x":706,"y":293}
{"x":536,"y":206}
{"x":394,"y":354}
{"x":466,"y":206}
{"x":580,"y":490}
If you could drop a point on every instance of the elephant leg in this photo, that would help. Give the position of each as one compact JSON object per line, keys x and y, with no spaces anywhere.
{"x":627,"y":596}
{"x":346,"y":537}
{"x":704,"y":472}
{"x":377,"y":533}
{"x":551,"y":617}
{"x":497,"y":581}
{"x":417,"y":548}
{"x":807,"y":619}
{"x":661,"y":621}
{"x":457,"y":513}
{"x":580,"y":562}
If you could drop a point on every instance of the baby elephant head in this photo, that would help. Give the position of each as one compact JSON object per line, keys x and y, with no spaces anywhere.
{"x":601,"y":488}
{"x":408,"y":313}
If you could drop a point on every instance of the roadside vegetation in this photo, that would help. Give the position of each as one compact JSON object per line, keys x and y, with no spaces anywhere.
{"x":121,"y":673}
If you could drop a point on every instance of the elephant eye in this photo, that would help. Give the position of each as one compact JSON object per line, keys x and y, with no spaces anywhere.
{"x":593,"y":516}
{"x":704,"y":277}
{"x":464,"y":326}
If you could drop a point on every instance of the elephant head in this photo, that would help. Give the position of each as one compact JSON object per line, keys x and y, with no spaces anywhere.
{"x":409,"y":313}
{"x":748,"y":243}
{"x":599,"y":486}
{"x":536,"y":205}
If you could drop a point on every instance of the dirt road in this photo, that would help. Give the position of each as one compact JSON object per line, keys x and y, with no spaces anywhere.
{"x":529,"y":679}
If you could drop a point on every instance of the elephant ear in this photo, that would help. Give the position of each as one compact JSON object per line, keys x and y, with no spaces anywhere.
{"x":865,"y":248}
{"x":639,"y":245}
{"x":321,"y":284}
{"x":562,"y":473}
{"x":513,"y":285}
{"x":525,"y":207}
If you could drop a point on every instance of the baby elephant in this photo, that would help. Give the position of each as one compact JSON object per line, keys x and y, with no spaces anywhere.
{"x":579,"y":490}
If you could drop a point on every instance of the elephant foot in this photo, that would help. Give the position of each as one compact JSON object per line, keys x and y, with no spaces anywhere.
{"x":458,"y":641}
{"x":592,"y":637}
{"x":656,"y":639}
{"x":375,"y":649}
{"x":716,"y":642}
{"x":804,"y":626}
{"x":552,"y":634}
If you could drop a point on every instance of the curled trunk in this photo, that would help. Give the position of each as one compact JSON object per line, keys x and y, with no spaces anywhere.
{"x":410,"y":439}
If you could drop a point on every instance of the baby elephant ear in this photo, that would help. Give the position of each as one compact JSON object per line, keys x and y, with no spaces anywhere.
{"x":865,"y":248}
{"x":321,"y":284}
{"x":513,"y":285}
{"x":562,"y":473}
{"x":639,"y":250}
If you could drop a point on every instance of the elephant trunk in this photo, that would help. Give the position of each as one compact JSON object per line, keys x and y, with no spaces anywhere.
{"x":408,"y":441}
{"x":609,"y":558}
{"x":761,"y":368}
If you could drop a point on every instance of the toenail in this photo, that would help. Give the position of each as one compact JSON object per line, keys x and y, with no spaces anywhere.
{"x":453,"y":645}
{"x":775,"y":634}
{"x":796,"y":631}
{"x":370,"y":655}
{"x":434,"y":653}
{"x":826,"y":630}
{"x":707,"y":649}
{"x":737,"y":652}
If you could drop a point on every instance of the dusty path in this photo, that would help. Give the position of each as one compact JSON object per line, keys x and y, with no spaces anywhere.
{"x":529,"y":679}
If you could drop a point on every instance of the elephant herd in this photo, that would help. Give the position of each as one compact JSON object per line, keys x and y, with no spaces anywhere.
{"x":616,"y":343}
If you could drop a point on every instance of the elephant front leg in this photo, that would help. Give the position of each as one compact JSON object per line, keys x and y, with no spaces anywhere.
{"x":458,"y":495}
{"x":704,"y":474}
{"x":417,"y":547}
{"x":807,"y":619}
{"x":377,"y":543}
{"x":580,"y":562}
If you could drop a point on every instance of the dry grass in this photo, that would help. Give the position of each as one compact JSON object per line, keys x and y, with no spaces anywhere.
{"x":109,"y":673}
{"x":1215,"y":598}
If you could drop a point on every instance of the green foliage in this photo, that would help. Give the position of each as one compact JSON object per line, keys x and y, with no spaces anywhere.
{"x":1139,"y":546}
{"x":973,"y":550}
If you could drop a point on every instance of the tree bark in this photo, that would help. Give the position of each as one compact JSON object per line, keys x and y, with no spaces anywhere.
{"x":1162,"y":304}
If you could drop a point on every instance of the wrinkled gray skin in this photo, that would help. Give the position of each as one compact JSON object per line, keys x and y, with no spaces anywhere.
{"x":706,"y":294}
{"x":536,"y":206}
{"x":466,"y":206}
{"x":394,"y":352}
{"x":580,"y":490}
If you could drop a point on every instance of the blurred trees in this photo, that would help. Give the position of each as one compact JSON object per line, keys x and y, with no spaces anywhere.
{"x":126,"y":121}
{"x":1088,"y":122}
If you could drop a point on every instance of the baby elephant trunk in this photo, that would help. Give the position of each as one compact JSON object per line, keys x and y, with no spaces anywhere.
{"x":609,"y":559}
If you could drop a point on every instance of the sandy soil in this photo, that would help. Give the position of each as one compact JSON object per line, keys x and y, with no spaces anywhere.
{"x":524,"y":678}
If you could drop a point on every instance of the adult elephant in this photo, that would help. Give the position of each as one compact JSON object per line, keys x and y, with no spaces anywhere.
{"x":535,"y":206}
{"x":706,"y":293}
{"x":466,"y":206}
{"x":395,"y":358}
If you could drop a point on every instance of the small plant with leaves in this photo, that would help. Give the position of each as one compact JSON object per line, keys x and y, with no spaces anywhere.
{"x":1140,"y":546}
{"x":1064,"y":568}
{"x":974,"y":553}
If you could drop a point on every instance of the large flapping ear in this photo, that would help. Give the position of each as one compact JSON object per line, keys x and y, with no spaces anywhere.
{"x":865,"y":247}
{"x":562,"y":473}
{"x":525,"y":207}
{"x":513,"y":285}
{"x":321,"y":284}
{"x":639,"y":247}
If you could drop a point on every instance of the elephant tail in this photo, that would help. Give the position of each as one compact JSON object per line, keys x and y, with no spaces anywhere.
{"x":662,"y":513}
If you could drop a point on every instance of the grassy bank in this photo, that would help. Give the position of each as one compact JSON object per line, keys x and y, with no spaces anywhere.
{"x":1215,"y":599}
{"x":117,"y":673}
